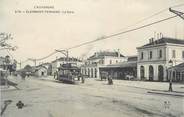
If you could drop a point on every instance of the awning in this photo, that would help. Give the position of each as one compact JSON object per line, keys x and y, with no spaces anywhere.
{"x":122,"y":65}
{"x":179,"y":67}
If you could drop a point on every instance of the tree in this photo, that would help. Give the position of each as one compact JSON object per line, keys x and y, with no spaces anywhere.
{"x":4,"y":37}
{"x":7,"y":62}
{"x":28,"y":68}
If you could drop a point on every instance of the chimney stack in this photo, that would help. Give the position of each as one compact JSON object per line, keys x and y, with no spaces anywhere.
{"x":151,"y":40}
{"x":118,"y":53}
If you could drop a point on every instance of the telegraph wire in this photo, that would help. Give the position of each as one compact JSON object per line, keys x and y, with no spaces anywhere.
{"x":116,"y":34}
{"x":46,"y":56}
{"x":153,"y":15}
{"x":107,"y":37}
{"x":120,"y":33}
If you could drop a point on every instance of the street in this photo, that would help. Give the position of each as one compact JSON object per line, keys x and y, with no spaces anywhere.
{"x":94,"y":98}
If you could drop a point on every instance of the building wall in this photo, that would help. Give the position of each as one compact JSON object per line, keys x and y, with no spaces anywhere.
{"x":179,"y":49}
{"x":39,"y":72}
{"x":156,"y":60}
{"x":90,"y":71}
{"x":95,"y":64}
{"x":112,"y":60}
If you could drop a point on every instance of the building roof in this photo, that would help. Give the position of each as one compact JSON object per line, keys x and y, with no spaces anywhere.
{"x":65,"y":59}
{"x":179,"y":67}
{"x":165,"y":40}
{"x":99,"y":55}
{"x":132,"y":58}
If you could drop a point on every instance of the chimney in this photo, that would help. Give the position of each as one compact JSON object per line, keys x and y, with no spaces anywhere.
{"x":96,"y":54}
{"x":158,"y":36}
{"x":154,"y":35}
{"x":151,"y":40}
{"x":161,"y":35}
{"x":119,"y":53}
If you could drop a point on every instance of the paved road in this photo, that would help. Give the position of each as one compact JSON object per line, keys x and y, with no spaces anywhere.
{"x":43,"y":98}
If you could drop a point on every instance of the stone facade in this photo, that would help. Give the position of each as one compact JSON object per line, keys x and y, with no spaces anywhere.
{"x":154,"y":57}
{"x":91,"y":68}
{"x":40,"y":71}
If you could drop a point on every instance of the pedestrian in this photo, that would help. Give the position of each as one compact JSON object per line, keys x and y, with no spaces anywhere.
{"x":110,"y":82}
{"x":57,"y":75}
{"x":82,"y":79}
{"x":54,"y":75}
{"x":23,"y":75}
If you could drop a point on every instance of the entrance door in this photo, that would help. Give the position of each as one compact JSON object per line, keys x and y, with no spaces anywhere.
{"x":42,"y":73}
{"x":151,"y":73}
{"x":142,"y":72}
{"x":160,"y":73}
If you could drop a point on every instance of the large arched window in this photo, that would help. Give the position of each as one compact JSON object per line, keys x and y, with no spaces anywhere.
{"x":151,"y":73}
{"x":182,"y":76}
{"x":174,"y":75}
{"x":95,"y":72}
{"x":160,"y":73}
{"x":142,"y":72}
{"x":85,"y":71}
{"x":92,"y":72}
{"x":88,"y":72}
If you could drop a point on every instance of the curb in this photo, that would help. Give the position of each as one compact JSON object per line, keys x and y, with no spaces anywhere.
{"x":10,"y":88}
{"x":164,"y":93}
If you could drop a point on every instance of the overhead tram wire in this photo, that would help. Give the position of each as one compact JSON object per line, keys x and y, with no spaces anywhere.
{"x":46,"y":56}
{"x":153,"y":15}
{"x":140,"y":21}
{"x":161,"y":11}
{"x":120,"y":33}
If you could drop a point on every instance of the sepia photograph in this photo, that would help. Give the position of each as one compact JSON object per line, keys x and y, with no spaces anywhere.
{"x":92,"y":58}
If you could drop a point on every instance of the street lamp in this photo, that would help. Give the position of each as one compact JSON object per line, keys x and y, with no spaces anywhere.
{"x":170,"y":81}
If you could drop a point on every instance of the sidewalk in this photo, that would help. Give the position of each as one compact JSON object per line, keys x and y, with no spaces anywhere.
{"x":11,"y":85}
{"x":153,"y":86}
{"x":160,"y":88}
{"x":49,"y":78}
{"x":173,"y":93}
{"x":7,"y":88}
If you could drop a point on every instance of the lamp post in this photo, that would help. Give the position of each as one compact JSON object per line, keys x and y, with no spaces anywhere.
{"x":170,"y":80}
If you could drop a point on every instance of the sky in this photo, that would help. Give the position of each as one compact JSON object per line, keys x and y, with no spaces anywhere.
{"x":38,"y":34}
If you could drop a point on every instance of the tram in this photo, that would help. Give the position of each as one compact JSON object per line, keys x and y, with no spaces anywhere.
{"x":68,"y":73}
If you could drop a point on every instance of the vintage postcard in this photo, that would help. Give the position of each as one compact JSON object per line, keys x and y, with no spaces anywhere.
{"x":92,"y":58}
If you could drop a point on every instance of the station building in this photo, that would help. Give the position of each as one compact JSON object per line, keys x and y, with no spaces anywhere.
{"x":154,"y":58}
{"x":92,"y":66}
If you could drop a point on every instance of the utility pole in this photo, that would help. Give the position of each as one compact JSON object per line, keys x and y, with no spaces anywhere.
{"x":65,"y":52}
{"x":19,"y":64}
{"x":178,"y":13}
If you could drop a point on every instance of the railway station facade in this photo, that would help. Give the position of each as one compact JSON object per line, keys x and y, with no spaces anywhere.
{"x":154,"y":58}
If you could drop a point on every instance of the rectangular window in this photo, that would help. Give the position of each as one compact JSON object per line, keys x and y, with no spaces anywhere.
{"x":142,"y":55}
{"x":150,"y":54}
{"x":160,"y":53}
{"x":102,"y":61}
{"x":110,"y":61}
{"x":183,"y":54}
{"x":173,"y":54}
